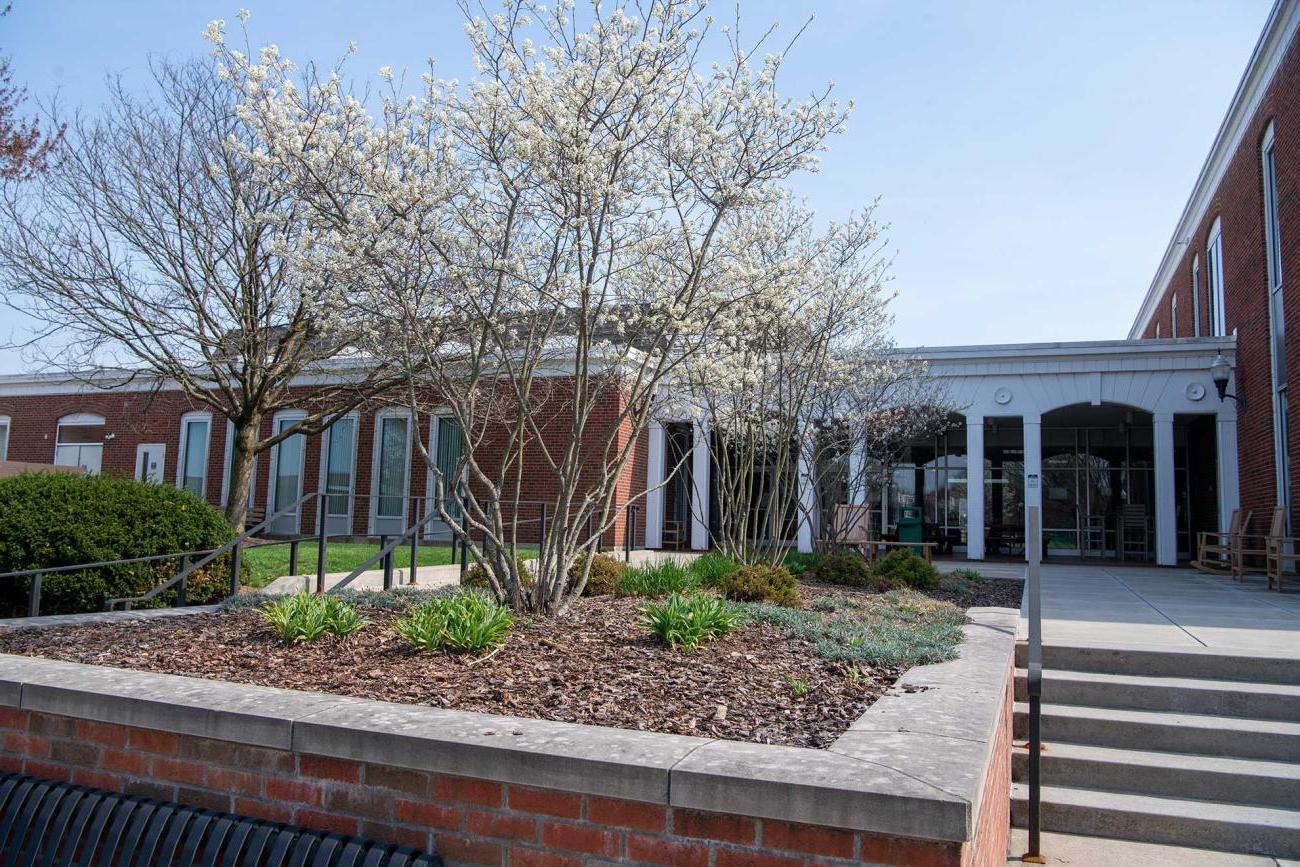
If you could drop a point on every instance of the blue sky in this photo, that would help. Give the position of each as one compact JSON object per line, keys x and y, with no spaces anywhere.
{"x":1031,"y":158}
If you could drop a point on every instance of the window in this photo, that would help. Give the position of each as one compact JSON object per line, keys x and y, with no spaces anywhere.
{"x":1173,"y":316}
{"x":4,"y":437}
{"x":392,"y":461}
{"x":1276,"y":321}
{"x":229,"y":465}
{"x":192,"y":468}
{"x":1196,"y":295}
{"x":340,"y":458}
{"x":1157,"y":331}
{"x":1214,"y":274}
{"x":286,"y":474}
{"x":79,"y":442}
{"x":447,"y":448}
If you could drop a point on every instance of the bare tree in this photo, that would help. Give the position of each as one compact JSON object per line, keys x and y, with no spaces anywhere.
{"x":154,"y":248}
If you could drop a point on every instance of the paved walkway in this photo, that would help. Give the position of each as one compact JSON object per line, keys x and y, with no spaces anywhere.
{"x":1163,"y":607}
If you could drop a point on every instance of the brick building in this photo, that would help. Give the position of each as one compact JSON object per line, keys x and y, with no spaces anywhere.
{"x":1235,"y":247}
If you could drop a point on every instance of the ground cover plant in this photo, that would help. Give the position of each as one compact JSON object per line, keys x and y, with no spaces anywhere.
{"x":305,"y":617}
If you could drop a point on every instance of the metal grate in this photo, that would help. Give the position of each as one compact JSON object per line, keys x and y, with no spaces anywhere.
{"x":49,"y":823}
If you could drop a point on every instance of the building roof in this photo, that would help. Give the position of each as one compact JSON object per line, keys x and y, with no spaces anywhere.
{"x":1279,"y":30}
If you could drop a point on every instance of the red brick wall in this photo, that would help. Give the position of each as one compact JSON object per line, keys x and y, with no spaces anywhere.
{"x":133,"y":418}
{"x":1238,"y":203}
{"x":465,"y":820}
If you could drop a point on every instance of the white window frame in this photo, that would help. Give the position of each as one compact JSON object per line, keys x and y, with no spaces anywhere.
{"x":1157,"y":330}
{"x":182,"y":452}
{"x":323,"y":468}
{"x":1196,"y":294}
{"x":1272,"y":220}
{"x":1173,"y":315}
{"x":7,"y":423}
{"x":74,"y":419}
{"x":376,"y":446}
{"x":1214,"y":280}
{"x":226,"y":453}
{"x":140,"y":451}
{"x":271,"y":477}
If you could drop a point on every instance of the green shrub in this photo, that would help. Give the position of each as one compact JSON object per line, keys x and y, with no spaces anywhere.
{"x":656,"y":580}
{"x":475,"y":577}
{"x":61,"y":519}
{"x":305,"y":617}
{"x":603,"y":576}
{"x":467,"y":622}
{"x":685,"y":621}
{"x":800,"y":564}
{"x":844,"y":568}
{"x":908,"y":569}
{"x":762,"y":584}
{"x":711,"y":568}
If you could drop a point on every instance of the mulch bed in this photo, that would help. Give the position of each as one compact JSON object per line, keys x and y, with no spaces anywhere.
{"x":596,"y":666}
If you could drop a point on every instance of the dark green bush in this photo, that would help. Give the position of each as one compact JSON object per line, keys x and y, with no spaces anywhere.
{"x":908,"y":569}
{"x":762,"y":584}
{"x":61,"y":519}
{"x":800,"y":564}
{"x":711,"y":568}
{"x":844,"y":568}
{"x":476,"y":576}
{"x":603,"y":576}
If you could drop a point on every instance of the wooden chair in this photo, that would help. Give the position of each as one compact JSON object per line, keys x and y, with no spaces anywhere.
{"x":1134,"y":532}
{"x":672,"y":535}
{"x":1214,"y":550}
{"x":1256,"y":544}
{"x":1280,"y":550}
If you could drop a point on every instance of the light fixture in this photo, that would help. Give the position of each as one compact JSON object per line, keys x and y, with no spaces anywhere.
{"x":1221,"y":372}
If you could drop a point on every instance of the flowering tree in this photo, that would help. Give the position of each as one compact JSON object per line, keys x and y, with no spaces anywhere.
{"x":787,"y":391}
{"x":24,"y":148}
{"x":154,"y":248}
{"x":555,"y":238}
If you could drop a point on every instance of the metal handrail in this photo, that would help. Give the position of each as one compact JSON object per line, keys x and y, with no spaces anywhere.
{"x":385,"y":554}
{"x":1034,"y":685}
{"x":233,"y":547}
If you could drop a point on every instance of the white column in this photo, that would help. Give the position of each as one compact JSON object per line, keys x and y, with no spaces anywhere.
{"x":974,"y":487}
{"x":1226,"y":464}
{"x":1166,"y":499}
{"x":654,"y":485}
{"x":807,"y":507}
{"x":701,"y":465}
{"x":1033,"y":477}
{"x":857,"y":482}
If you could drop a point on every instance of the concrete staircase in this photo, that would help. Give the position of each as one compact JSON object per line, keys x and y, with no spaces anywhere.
{"x":1188,"y":747}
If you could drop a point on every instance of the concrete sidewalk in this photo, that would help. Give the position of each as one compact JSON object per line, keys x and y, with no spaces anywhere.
{"x":1162,"y":607}
{"x":1100,"y":852}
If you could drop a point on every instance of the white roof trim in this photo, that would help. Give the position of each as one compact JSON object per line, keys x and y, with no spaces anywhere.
{"x":1279,"y":30}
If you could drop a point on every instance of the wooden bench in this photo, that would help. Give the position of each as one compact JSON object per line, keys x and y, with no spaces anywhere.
{"x":871,"y":548}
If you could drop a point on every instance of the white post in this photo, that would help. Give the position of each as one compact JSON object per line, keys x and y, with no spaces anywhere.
{"x":1033,"y":481}
{"x":974,"y":487}
{"x":857,"y":482}
{"x":654,"y":485}
{"x":807,"y":507}
{"x":701,"y":465}
{"x":1166,"y":499}
{"x":1226,"y":468}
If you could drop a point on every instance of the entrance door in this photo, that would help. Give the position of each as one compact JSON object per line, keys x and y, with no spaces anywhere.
{"x":286,"y":479}
{"x":340,"y":458}
{"x":391,"y":474}
{"x":149,"y":459}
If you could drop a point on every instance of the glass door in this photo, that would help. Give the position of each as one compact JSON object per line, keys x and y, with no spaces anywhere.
{"x":286,"y":479}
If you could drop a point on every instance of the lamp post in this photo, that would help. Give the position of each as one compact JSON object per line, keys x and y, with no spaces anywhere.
{"x":1221,"y":372}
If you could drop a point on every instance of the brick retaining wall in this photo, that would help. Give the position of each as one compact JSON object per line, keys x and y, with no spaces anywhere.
{"x":922,"y":778}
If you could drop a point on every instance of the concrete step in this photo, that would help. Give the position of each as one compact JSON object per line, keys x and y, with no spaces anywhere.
{"x":1226,"y":827}
{"x":1175,"y":694}
{"x":1176,"y":775}
{"x":1204,"y":663}
{"x":1201,"y":734}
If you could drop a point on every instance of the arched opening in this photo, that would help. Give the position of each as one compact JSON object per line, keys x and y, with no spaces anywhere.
{"x":79,"y":442}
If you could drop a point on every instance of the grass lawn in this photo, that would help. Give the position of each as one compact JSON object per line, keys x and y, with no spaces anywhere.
{"x":262,"y":564}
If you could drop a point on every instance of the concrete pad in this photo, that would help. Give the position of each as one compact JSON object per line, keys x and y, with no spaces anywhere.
{"x":1101,"y":852}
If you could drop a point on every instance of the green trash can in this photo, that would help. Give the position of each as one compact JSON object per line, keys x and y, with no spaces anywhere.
{"x":911,"y":527}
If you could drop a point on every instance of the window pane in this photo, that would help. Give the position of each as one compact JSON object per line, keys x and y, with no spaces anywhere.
{"x":392,"y":467}
{"x":338,"y":472}
{"x":4,"y":441}
{"x":196,"y":457}
{"x":81,"y":433}
{"x":288,"y":467}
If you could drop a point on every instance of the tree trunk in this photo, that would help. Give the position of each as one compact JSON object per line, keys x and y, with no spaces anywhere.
{"x":242,"y":457}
